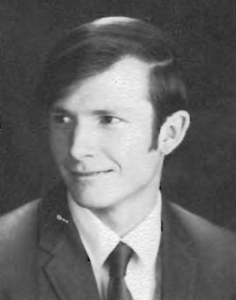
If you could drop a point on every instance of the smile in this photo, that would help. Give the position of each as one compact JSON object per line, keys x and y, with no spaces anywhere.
{"x":91,"y":173}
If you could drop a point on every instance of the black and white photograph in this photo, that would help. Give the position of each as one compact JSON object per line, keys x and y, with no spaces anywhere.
{"x":117,"y":150}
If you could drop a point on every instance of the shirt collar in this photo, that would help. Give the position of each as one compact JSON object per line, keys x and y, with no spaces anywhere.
{"x":99,"y":240}
{"x":145,"y":238}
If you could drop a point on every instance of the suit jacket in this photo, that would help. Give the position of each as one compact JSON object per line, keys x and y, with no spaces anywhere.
{"x":43,"y":258}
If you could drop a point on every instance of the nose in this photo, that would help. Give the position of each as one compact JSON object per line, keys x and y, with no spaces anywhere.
{"x":83,"y":142}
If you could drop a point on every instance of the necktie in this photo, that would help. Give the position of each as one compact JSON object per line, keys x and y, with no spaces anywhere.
{"x":117,"y":262}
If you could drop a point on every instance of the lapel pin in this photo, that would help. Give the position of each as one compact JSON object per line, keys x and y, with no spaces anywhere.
{"x":59,"y":217}
{"x":88,"y":260}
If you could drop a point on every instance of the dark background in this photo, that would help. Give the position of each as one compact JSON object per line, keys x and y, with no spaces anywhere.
{"x":201,"y":174}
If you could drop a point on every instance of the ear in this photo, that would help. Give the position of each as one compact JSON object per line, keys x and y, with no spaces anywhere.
{"x":173,"y":131}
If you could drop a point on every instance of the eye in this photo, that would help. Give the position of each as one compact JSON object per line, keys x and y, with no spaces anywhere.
{"x":109,"y":120}
{"x":61,"y":118}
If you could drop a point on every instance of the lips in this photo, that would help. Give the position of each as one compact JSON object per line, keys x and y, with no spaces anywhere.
{"x":90,"y":173}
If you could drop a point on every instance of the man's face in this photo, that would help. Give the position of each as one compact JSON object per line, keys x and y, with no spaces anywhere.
{"x":101,"y":134}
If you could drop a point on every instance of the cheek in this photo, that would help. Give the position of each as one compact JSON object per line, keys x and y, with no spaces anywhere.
{"x":131,"y":146}
{"x":59,"y":144}
{"x":136,"y":140}
{"x":136,"y":157}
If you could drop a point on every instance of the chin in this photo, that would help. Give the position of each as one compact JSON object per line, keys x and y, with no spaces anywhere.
{"x":91,"y":200}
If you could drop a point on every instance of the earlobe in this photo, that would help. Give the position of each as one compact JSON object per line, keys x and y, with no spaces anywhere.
{"x":173,"y":131}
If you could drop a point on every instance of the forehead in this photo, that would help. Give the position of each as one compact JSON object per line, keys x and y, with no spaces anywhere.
{"x":124,"y":85}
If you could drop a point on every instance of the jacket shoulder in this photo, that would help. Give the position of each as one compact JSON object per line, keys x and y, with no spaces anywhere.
{"x":18,"y":248}
{"x":209,"y":239}
{"x":17,"y":230}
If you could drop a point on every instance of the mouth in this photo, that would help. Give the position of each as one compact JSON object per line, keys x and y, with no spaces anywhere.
{"x":90,"y":173}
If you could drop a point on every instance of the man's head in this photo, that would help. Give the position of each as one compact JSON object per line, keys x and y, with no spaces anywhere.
{"x":117,"y":108}
{"x":94,"y":47}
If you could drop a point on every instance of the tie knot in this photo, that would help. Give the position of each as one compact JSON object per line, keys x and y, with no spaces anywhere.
{"x":119,"y":259}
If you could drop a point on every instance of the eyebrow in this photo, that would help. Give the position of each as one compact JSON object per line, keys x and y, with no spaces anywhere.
{"x":57,"y":109}
{"x":96,"y":112}
{"x":101,"y":112}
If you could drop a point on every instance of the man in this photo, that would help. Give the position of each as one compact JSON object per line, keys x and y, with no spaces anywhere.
{"x":117,"y":107}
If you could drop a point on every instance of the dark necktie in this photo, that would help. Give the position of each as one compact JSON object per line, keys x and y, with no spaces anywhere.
{"x":117,"y":262}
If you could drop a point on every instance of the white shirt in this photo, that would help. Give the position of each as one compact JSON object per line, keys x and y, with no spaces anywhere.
{"x":99,"y":241}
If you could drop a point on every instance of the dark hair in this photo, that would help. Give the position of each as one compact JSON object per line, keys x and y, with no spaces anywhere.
{"x":94,"y":47}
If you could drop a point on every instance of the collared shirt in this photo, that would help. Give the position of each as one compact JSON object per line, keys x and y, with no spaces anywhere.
{"x":99,"y":241}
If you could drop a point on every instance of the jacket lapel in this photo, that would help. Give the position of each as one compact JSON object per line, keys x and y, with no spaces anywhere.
{"x":64,"y":259}
{"x":178,"y":264}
